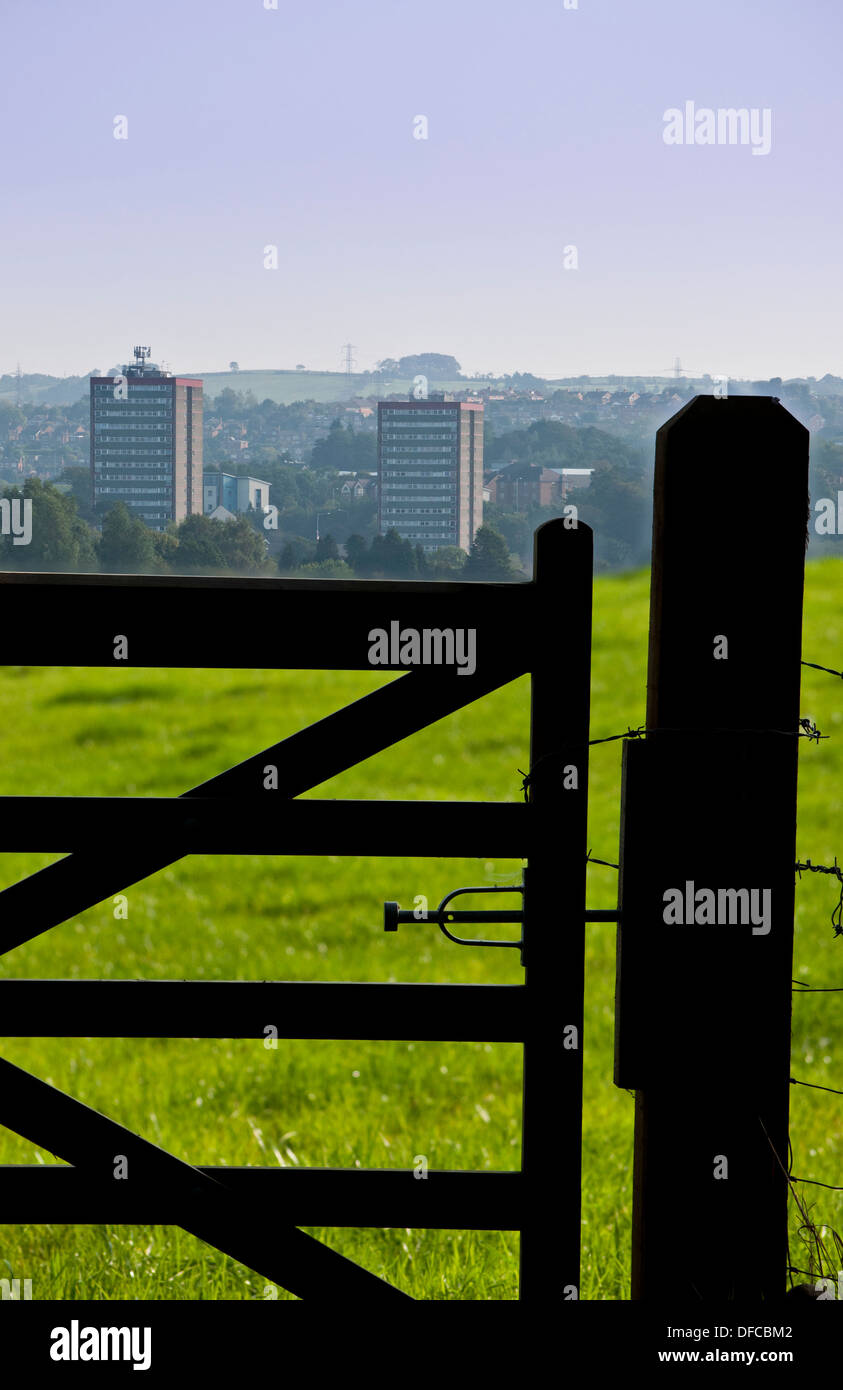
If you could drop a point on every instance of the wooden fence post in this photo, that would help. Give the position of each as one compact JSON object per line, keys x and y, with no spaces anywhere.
{"x":554,"y":912}
{"x":709,"y":803}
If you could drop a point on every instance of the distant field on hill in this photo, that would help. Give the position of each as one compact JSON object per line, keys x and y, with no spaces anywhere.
{"x":282,"y":387}
{"x":286,"y":387}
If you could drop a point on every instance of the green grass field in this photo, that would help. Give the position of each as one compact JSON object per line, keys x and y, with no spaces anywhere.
{"x":146,"y":733}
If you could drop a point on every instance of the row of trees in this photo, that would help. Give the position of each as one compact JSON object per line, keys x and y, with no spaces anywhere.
{"x":436,"y":365}
{"x":64,"y":541}
{"x":390,"y":557}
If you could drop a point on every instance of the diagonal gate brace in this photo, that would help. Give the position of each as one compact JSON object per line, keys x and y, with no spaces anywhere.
{"x":82,"y":1136}
{"x":313,"y":755}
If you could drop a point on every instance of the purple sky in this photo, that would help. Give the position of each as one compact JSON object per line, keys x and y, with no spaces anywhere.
{"x":294,"y":127}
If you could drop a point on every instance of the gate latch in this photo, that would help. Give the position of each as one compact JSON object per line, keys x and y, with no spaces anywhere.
{"x":394,"y":915}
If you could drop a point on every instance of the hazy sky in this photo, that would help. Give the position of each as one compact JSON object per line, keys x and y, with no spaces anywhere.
{"x":294,"y":127}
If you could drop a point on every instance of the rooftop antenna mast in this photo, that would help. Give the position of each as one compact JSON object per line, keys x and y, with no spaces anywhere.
{"x":141,"y":358}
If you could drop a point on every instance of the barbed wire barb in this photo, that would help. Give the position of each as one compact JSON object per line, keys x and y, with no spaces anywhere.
{"x":807,"y":867}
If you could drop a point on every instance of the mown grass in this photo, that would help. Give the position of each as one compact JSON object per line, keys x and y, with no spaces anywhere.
{"x":111,"y":732}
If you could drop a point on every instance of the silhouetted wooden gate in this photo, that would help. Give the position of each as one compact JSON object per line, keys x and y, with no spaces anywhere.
{"x":543,"y":628}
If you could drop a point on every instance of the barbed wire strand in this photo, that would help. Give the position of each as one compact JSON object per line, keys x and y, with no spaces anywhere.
{"x":816,"y":989}
{"x":815,"y":1182}
{"x":827,"y":669}
{"x":807,"y":729}
{"x":794,"y":1081}
{"x":605,"y":862}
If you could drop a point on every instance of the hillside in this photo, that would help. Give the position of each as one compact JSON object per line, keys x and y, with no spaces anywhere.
{"x":283,"y":387}
{"x":286,"y":387}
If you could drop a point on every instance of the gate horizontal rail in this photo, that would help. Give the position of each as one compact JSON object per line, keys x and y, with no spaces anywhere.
{"x":380,"y":1197}
{"x":245,"y":1008}
{"x":261,"y":825}
{"x":276,"y":624}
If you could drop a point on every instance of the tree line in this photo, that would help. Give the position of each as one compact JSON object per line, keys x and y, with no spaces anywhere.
{"x":391,"y":557}
{"x":63,"y":541}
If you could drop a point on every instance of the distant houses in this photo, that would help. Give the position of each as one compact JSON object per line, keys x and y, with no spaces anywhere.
{"x":523,"y":485}
{"x":225,"y":495}
{"x":358,"y":486}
